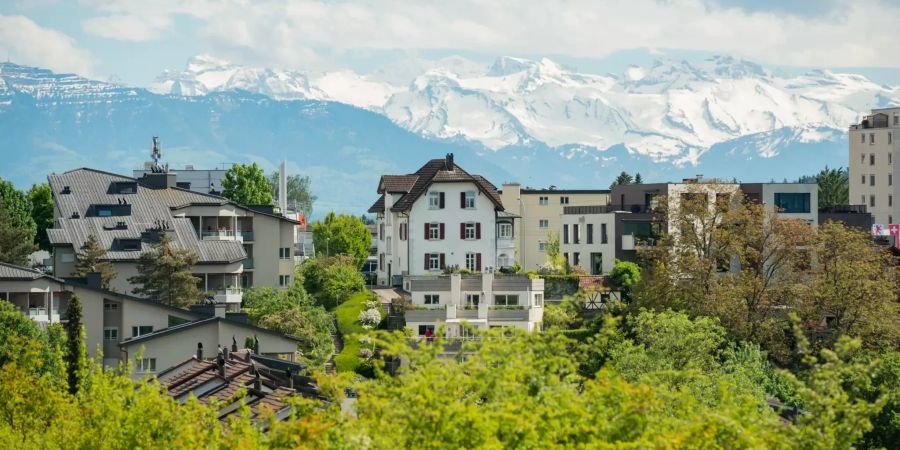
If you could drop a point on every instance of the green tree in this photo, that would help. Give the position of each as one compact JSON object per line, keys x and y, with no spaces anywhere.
{"x":41,"y":198}
{"x":90,"y":259}
{"x":299,"y":194}
{"x":342,"y":234}
{"x":638,"y":179}
{"x":834,"y":186}
{"x":553,"y":256}
{"x":15,"y":325}
{"x":17,"y":228}
{"x":246,"y":184}
{"x":76,"y":352}
{"x":164,"y":274}
{"x":622,"y":179}
{"x":625,"y":274}
{"x":331,"y":280}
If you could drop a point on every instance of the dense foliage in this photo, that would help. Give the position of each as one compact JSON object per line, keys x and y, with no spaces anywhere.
{"x":41,"y":198}
{"x":342,"y":234}
{"x":246,"y":184}
{"x":17,"y":227}
{"x":164,"y":273}
{"x":347,"y":315}
{"x":90,"y":259}
{"x":331,"y":280}
{"x":299,"y":194}
{"x":834,"y":186}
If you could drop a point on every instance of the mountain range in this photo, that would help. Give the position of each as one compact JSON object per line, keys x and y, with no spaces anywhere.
{"x":533,"y":121}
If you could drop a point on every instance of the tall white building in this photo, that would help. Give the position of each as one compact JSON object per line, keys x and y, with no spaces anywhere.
{"x":437,"y":218}
{"x":873,"y":152}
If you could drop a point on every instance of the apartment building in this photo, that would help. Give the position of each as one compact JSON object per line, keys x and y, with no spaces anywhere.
{"x":238,"y":246}
{"x":542,"y":211}
{"x":439,"y":217}
{"x":873,"y":151}
{"x":115,"y":321}
{"x":587,"y":239}
{"x":481,"y":301}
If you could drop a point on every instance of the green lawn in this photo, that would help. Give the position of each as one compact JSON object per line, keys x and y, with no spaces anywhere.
{"x":347,"y":314}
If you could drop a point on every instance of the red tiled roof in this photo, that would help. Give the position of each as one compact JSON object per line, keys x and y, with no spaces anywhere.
{"x":433,"y":171}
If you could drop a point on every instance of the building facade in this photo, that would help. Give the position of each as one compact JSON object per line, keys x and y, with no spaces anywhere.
{"x":587,"y":239}
{"x":873,"y":151}
{"x":542,"y":211}
{"x":439,"y":218}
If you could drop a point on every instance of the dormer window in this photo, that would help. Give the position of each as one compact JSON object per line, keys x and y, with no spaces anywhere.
{"x":122,"y":209}
{"x":124,"y":187}
{"x":128,"y":244}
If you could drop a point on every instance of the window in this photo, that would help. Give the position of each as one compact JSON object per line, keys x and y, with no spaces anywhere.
{"x":539,"y":300}
{"x":434,"y":231}
{"x":110,"y":307}
{"x":890,"y":200}
{"x":890,"y":158}
{"x":566,"y":234}
{"x":104,"y":212}
{"x":890,"y":219}
{"x":381,"y":231}
{"x":896,"y":119}
{"x":576,"y":236}
{"x":863,"y":161}
{"x":590,"y":233}
{"x":284,"y":280}
{"x":389,"y":245}
{"x":543,"y":223}
{"x":470,"y":261}
{"x":503,"y":260}
{"x":792,"y":202}
{"x":505,"y":231}
{"x":381,"y":262}
{"x":67,"y":257}
{"x":469,"y":231}
{"x":506,"y":300}
{"x":576,"y":258}
{"x":542,"y":247}
{"x":472,"y":300}
{"x":863,"y":202}
{"x":890,"y":179}
{"x":426,"y":329}
{"x":284,"y":253}
{"x":403,"y":231}
{"x":468,"y":200}
{"x":124,"y":187}
{"x":872,"y":201}
{"x":871,"y":159}
{"x":128,"y":245}
{"x":890,"y":137}
{"x":602,"y":233}
{"x":543,"y":200}
{"x":145,"y":365}
{"x":111,"y":334}
{"x":872,"y":180}
{"x":141,"y":330}
{"x":432,"y":299}
{"x":863,"y":178}
{"x":564,"y":200}
{"x":871,"y":138}
{"x":435,"y":200}
{"x":434,"y":261}
{"x":863,"y":136}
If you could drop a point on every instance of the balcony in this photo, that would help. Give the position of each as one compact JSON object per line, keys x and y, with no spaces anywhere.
{"x":507,"y":314}
{"x":248,"y":264}
{"x":228,"y":296}
{"x":221,"y":235}
{"x":246,"y":236}
{"x":632,"y":242}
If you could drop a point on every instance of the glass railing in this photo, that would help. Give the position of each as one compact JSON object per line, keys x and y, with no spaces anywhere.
{"x":247,"y":235}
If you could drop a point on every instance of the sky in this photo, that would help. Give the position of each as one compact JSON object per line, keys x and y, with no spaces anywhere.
{"x":132,"y":41}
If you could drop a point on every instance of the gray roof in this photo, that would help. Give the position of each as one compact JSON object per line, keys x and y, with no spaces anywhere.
{"x":12,"y":272}
{"x":201,"y":322}
{"x":89,"y":187}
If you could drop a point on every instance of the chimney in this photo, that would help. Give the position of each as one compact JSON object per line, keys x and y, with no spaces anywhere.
{"x":257,"y":382}
{"x":220,"y":366}
{"x":200,"y":351}
{"x":225,"y":353}
{"x":449,"y":162}
{"x":233,"y":343}
{"x":290,"y":378}
{"x":282,"y":187}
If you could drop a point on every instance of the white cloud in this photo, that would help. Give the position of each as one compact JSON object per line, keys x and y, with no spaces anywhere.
{"x":282,"y":32}
{"x":127,"y":27}
{"x":26,"y":42}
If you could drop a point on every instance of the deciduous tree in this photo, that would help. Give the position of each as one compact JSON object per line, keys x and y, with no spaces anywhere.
{"x":41,"y":198}
{"x":342,"y":234}
{"x":299,"y":194}
{"x":246,"y":184}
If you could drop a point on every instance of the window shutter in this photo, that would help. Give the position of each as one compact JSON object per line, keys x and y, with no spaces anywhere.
{"x":441,"y":201}
{"x":427,"y":257}
{"x":478,"y":230}
{"x":478,"y":262}
{"x":442,"y":261}
{"x":426,"y":231}
{"x":462,"y":199}
{"x":462,"y":230}
{"x":442,"y":230}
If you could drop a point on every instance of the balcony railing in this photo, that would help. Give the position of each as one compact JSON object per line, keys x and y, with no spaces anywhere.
{"x":248,"y":264}
{"x":245,"y":235}
{"x":228,"y":295}
{"x":221,"y":235}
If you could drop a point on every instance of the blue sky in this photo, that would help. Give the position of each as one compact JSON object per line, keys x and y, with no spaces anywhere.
{"x":134,"y":40}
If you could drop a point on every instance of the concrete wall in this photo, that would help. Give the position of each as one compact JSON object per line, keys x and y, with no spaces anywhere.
{"x":527,"y":230}
{"x":768,"y":197}
{"x":861,"y":149}
{"x":606,"y":250}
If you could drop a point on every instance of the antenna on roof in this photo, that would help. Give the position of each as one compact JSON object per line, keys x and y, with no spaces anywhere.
{"x":155,"y":155}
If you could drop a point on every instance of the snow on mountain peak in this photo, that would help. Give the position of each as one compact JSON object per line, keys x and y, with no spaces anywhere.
{"x":508,"y":65}
{"x":203,"y":62}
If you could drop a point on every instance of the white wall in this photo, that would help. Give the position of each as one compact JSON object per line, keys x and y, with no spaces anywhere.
{"x":607,"y":250}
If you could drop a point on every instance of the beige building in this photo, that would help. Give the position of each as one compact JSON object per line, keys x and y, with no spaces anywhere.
{"x":873,"y":167}
{"x":541,"y":211}
{"x":237,"y":246}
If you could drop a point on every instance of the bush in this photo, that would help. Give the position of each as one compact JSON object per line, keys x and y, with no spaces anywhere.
{"x":331,"y":280}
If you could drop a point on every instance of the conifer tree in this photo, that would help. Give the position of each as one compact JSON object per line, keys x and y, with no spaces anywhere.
{"x":76,"y":351}
{"x":89,"y":259}
{"x":164,"y":274}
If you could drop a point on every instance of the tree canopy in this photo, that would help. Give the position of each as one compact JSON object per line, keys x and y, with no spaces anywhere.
{"x":299,"y":194}
{"x":90,"y":259}
{"x":17,"y":227}
{"x":164,"y":274}
{"x":834,"y":186}
{"x":342,"y":234}
{"x":246,"y":184}
{"x":41,"y":198}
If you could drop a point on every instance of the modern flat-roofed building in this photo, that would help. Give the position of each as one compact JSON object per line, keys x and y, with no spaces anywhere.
{"x":873,"y":152}
{"x":587,"y":239}
{"x":541,"y":211}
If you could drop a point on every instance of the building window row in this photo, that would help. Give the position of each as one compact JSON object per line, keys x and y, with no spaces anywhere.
{"x":436,"y":200}
{"x":434,"y":261}
{"x":473,"y":261}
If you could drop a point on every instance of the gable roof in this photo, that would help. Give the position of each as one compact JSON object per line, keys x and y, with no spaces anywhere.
{"x":198,"y":323}
{"x":412,"y":186}
{"x":11,"y":272}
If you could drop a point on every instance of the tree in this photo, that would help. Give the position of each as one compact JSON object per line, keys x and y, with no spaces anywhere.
{"x":834,"y":186}
{"x":14,"y":326}
{"x":16,"y":242}
{"x":164,"y":274}
{"x":553,"y":256}
{"x":331,"y":280}
{"x":342,"y":234}
{"x":625,"y":274}
{"x":246,"y":184}
{"x":76,"y":352}
{"x":299,"y":195}
{"x":854,"y":285}
{"x":89,"y":259}
{"x":41,"y":198}
{"x":638,"y":179}
{"x":623,"y":179}
{"x":17,"y":228}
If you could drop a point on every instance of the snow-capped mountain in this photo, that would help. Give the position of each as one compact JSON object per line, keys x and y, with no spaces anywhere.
{"x":673,"y":111}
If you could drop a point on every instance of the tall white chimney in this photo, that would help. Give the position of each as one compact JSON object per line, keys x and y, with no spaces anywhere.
{"x":282,"y":187}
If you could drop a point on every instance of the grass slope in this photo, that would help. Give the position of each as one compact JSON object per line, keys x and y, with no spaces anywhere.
{"x":347,"y":315}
